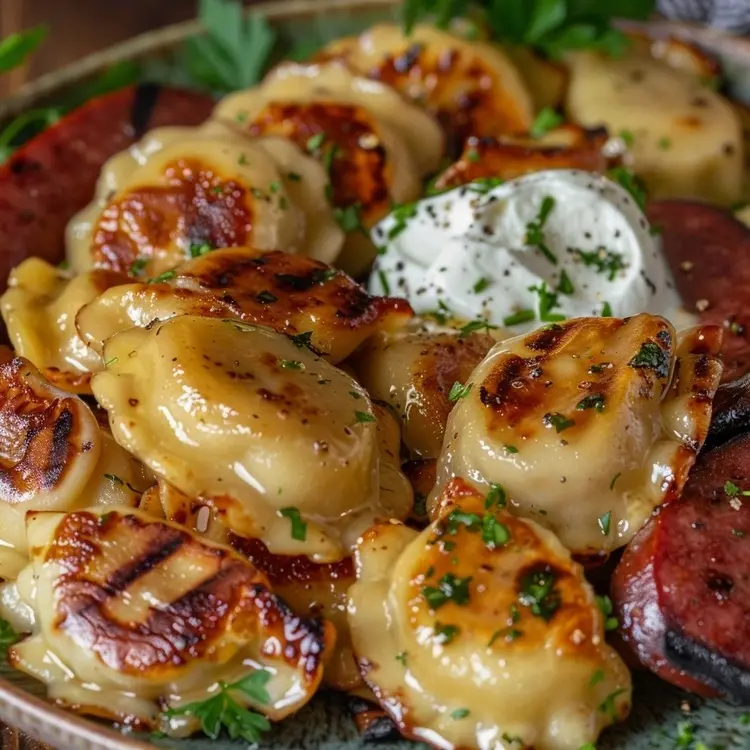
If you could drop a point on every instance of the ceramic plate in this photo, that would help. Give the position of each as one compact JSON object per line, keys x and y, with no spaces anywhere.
{"x":663,"y":718}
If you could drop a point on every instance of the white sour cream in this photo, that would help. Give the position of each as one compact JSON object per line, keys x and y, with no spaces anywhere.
{"x":550,"y":245}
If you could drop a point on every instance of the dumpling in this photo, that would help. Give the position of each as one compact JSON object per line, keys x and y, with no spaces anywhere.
{"x":587,"y":425}
{"x":53,"y":456}
{"x":375,"y":146}
{"x":289,"y":293}
{"x":470,"y":86}
{"x":481,"y":632}
{"x":280,"y":443}
{"x":507,"y":157}
{"x":39,"y":310}
{"x":181,"y":192}
{"x":133,"y":615}
{"x":690,"y":146}
{"x":414,"y":373}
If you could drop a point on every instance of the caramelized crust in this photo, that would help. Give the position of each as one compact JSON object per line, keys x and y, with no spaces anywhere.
{"x":53,"y":455}
{"x":414,"y":373}
{"x":289,"y":293}
{"x":129,"y":602}
{"x":195,"y":203}
{"x":588,"y":425}
{"x":471,"y":87}
{"x":465,"y":633}
{"x":506,"y":157}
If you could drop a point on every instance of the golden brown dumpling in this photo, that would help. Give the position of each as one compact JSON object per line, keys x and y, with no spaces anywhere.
{"x":482,"y":628}
{"x":507,"y":157}
{"x":686,"y":139}
{"x":414,"y":373}
{"x":180,"y":192}
{"x":283,"y":445}
{"x":375,"y":146}
{"x":470,"y":86}
{"x":133,"y":615}
{"x":289,"y":293}
{"x":39,"y":310}
{"x":587,"y":425}
{"x":53,"y":456}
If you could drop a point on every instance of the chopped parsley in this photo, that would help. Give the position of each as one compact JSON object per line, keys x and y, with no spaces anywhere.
{"x":494,"y":533}
{"x":401,"y":215}
{"x":446,"y":633}
{"x":607,"y":706}
{"x":349,"y":218}
{"x":597,"y":677}
{"x":457,"y":518}
{"x":535,"y":229}
{"x":731,"y":489}
{"x":401,"y":657}
{"x":293,"y":177}
{"x":299,"y":527}
{"x":546,"y":120}
{"x":496,"y":496}
{"x":111,"y":361}
{"x":302,"y":340}
{"x":291,"y":364}
{"x":222,"y":710}
{"x":606,"y":310}
{"x":628,"y":180}
{"x":473,"y":156}
{"x":664,"y":143}
{"x":559,"y":421}
{"x":547,"y":302}
{"x":166,"y":276}
{"x":114,"y":479}
{"x":607,"y":608}
{"x":627,"y":137}
{"x":137,"y":266}
{"x":458,"y":391}
{"x":603,"y":261}
{"x":483,"y":185}
{"x":592,"y":401}
{"x":384,"y":282}
{"x":314,"y":142}
{"x":460,"y":713}
{"x":652,"y":357}
{"x":538,"y":592}
{"x":200,"y":248}
{"x":565,"y":285}
{"x":481,"y":285}
{"x":450,"y":588}
{"x":517,"y":318}
{"x":604,"y":521}
{"x":474,"y":326}
{"x":363,"y":417}
{"x":510,"y":449}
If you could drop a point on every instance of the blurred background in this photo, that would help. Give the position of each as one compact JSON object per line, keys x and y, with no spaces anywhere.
{"x":80,"y":27}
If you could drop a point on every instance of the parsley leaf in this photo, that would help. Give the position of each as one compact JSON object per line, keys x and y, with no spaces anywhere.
{"x":653,"y":357}
{"x":538,"y":592}
{"x":628,"y":180}
{"x":223,"y":710}
{"x":546,"y":120}
{"x":446,"y":633}
{"x":363,"y":417}
{"x":200,"y":248}
{"x":234,"y":51}
{"x":517,"y":318}
{"x":15,"y":48}
{"x":592,"y":401}
{"x":535,"y":230}
{"x":604,"y":261}
{"x":449,"y":588}
{"x":302,"y":340}
{"x":458,"y":391}
{"x":8,"y":636}
{"x":604,"y":521}
{"x":474,"y":326}
{"x":607,"y":608}
{"x":559,"y":421}
{"x":547,"y":302}
{"x":299,"y":527}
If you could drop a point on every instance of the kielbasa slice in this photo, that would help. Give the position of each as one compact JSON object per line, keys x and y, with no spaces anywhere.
{"x":53,"y":176}
{"x":682,"y":588}
{"x":731,"y":412}
{"x":708,"y":250}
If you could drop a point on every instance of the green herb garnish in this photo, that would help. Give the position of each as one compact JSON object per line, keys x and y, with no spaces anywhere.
{"x":559,"y":421}
{"x":446,"y":633}
{"x":517,"y":318}
{"x":535,"y":230}
{"x":299,"y":527}
{"x":450,"y":588}
{"x":607,"y":608}
{"x":363,"y":417}
{"x":474,"y":326}
{"x":651,"y":356}
{"x":604,"y":521}
{"x":628,"y":180}
{"x":592,"y":401}
{"x":546,"y":120}
{"x":222,"y":710}
{"x":604,"y":261}
{"x":538,"y":592}
{"x":458,"y":391}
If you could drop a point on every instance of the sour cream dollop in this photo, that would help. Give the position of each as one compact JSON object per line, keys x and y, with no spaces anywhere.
{"x":550,"y":245}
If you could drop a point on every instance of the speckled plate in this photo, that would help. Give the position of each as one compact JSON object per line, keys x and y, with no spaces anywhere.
{"x":663,"y":717}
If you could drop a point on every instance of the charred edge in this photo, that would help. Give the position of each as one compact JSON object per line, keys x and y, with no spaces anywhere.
{"x":727,"y":677}
{"x":162,"y":546}
{"x":59,"y":449}
{"x":547,"y":339}
{"x":372,"y":722}
{"x":144,"y":102}
{"x":731,"y":413}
